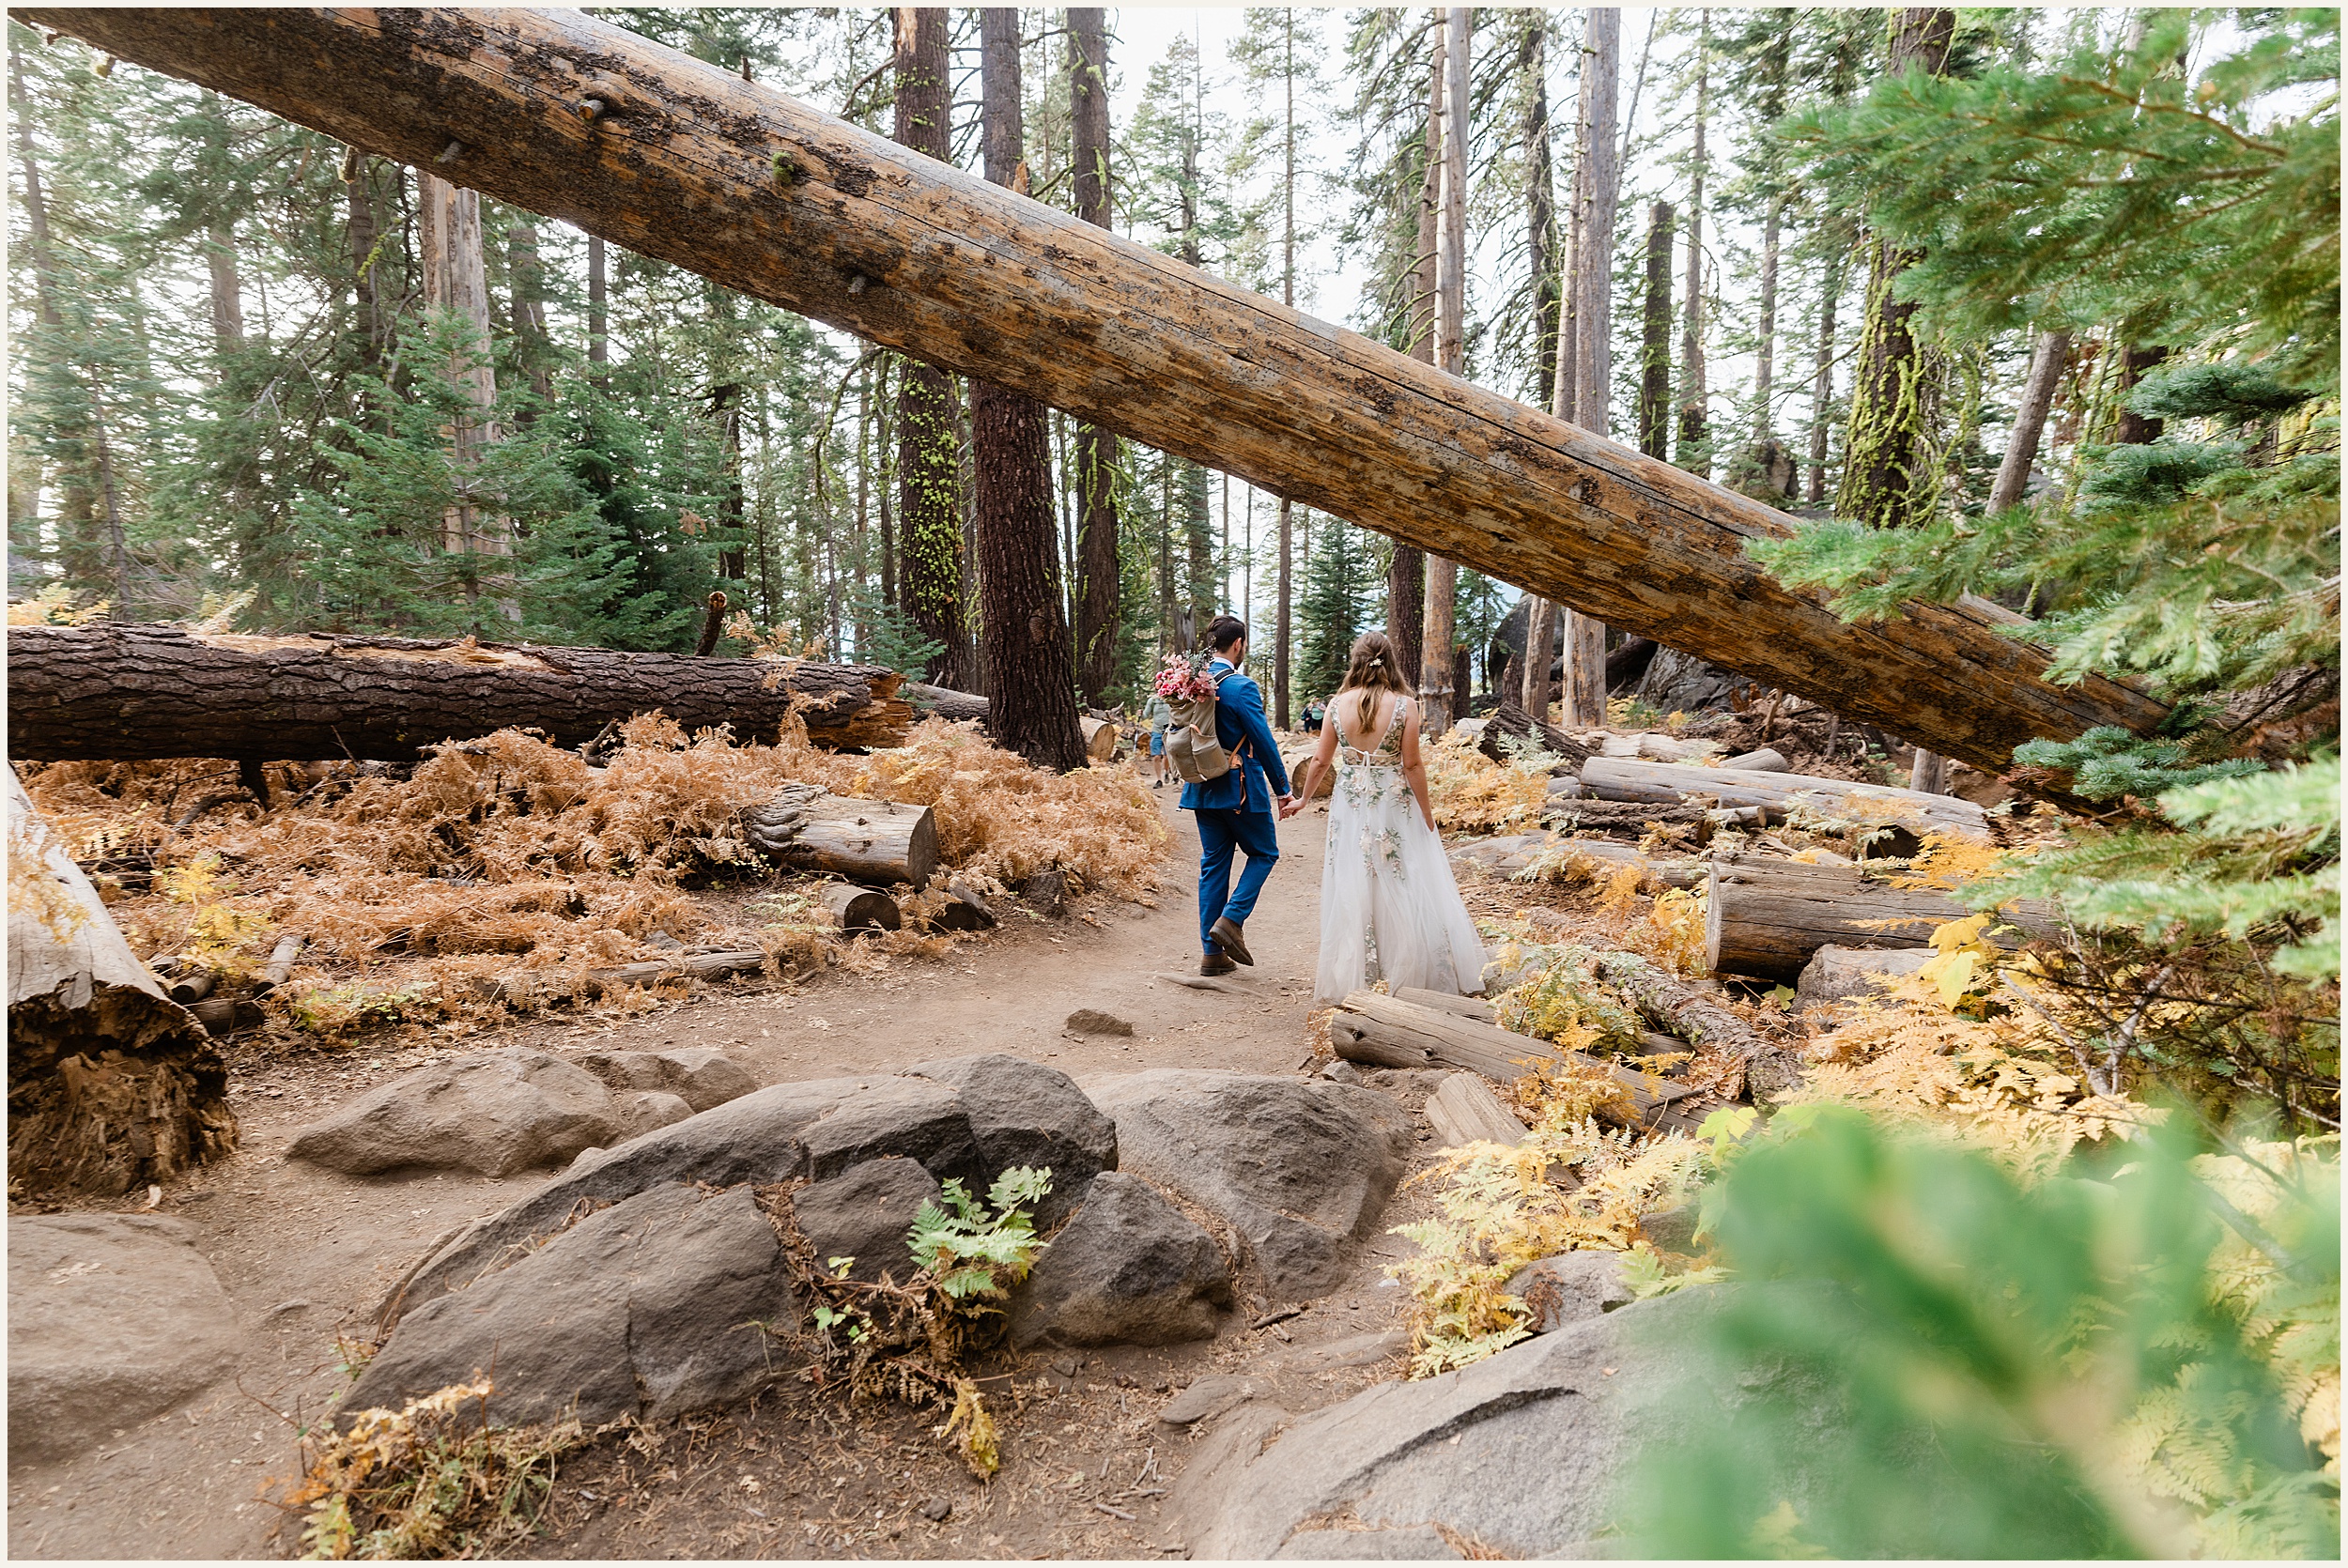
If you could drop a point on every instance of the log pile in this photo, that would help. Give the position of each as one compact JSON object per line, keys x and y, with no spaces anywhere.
{"x":1766,"y":918}
{"x":125,"y":693}
{"x":1776,"y":794}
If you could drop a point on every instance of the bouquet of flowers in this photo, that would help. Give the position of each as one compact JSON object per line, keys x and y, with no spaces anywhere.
{"x":1184,"y":679}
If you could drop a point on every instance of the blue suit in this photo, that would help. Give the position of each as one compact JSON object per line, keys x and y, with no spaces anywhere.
{"x":1237,"y":811}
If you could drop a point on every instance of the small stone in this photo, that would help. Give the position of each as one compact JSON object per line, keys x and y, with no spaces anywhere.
{"x":1208,"y":1396}
{"x":1091,"y":1020}
{"x":937,"y":1510}
{"x":1569,"y":1286}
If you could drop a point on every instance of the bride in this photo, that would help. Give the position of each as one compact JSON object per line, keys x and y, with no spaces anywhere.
{"x":1390,"y":909}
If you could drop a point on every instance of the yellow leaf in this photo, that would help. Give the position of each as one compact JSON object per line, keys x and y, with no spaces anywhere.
{"x":1957,"y":935}
{"x":1954,"y":977}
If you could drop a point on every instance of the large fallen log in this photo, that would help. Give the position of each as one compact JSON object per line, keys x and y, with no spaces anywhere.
{"x":1512,"y":853}
{"x":1770,"y":1070}
{"x":120,"y":693}
{"x":112,"y":1086}
{"x":1766,"y":918}
{"x":682,"y":160}
{"x":1392,"y":1032}
{"x":1622,"y":778}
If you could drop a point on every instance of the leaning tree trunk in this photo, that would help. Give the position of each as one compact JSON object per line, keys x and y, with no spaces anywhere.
{"x":112,"y":1086}
{"x":119,"y":693}
{"x":802,"y":210}
{"x":1030,"y":680}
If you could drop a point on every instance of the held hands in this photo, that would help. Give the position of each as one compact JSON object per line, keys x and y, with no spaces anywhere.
{"x":1288,"y":806}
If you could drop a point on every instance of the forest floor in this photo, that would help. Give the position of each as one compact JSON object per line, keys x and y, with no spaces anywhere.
{"x":307,"y":1254}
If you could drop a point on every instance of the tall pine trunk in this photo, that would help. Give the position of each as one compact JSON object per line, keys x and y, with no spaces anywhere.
{"x":1764,"y":349}
{"x":1822,"y":383}
{"x":1097,"y":562}
{"x":1284,"y":629}
{"x":1694,"y":418}
{"x":527,"y":290}
{"x":1438,"y":702}
{"x":598,"y":329}
{"x":1889,"y":479}
{"x":1030,"y":681}
{"x":1583,"y":694}
{"x":1406,"y":571}
{"x":2048,"y":354}
{"x":1540,"y":211}
{"x":929,"y":463}
{"x":1655,"y":338}
{"x":457,"y":281}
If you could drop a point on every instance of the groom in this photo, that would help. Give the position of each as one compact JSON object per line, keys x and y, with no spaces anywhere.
{"x":1237,"y":811}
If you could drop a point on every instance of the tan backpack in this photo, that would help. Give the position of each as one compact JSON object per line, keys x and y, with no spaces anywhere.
{"x":1197,"y":753}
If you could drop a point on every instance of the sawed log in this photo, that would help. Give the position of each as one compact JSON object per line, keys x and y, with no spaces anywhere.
{"x":112,"y":1086}
{"x":877,"y":842}
{"x":1623,"y":779}
{"x":1766,"y":918}
{"x":1391,"y":1031}
{"x":120,"y":693}
{"x":682,"y":161}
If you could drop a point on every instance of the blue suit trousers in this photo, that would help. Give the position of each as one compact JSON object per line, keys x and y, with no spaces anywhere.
{"x":1220,"y":833}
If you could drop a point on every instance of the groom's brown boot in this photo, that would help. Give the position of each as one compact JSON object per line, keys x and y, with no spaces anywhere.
{"x":1215,"y":963}
{"x":1227,"y":936}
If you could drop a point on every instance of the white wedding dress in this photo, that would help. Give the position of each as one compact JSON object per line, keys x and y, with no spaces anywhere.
{"x":1390,"y":907}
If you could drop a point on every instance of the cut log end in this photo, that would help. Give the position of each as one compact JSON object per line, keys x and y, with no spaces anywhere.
{"x":860,"y":909}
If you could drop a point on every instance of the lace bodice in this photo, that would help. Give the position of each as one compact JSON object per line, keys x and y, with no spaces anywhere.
{"x":1386,"y":753}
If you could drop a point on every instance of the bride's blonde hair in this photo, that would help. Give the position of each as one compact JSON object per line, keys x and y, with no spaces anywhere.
{"x":1373,"y":668}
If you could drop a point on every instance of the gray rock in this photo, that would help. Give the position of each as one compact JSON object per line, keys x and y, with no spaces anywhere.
{"x":1671,"y":1230}
{"x":1845,"y":974}
{"x":1352,"y":1350}
{"x":1520,"y":1451}
{"x":496,"y":1112}
{"x":1300,"y":1168}
{"x":1128,"y":1269}
{"x":112,"y":1318}
{"x":1023,"y":1113}
{"x":1209,"y":1396}
{"x":912,"y":1116}
{"x":635,"y":1111}
{"x":752,"y":1139}
{"x":646,"y":1309}
{"x":1342,"y":1071}
{"x":1568,"y":1288}
{"x":864,"y":1213}
{"x":1410,"y":1544}
{"x":702,"y":1076}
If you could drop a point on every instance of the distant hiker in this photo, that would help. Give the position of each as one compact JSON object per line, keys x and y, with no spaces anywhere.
{"x":1158,"y":715}
{"x":1233,"y":781}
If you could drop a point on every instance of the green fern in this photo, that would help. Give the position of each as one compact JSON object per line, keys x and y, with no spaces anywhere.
{"x":974,"y":1250}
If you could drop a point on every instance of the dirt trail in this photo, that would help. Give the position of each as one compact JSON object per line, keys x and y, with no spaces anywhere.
{"x":304,"y":1252}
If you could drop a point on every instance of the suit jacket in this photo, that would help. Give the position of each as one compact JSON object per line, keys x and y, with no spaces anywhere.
{"x":1258,"y":778}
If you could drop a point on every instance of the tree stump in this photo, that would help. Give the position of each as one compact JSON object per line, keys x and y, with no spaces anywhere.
{"x":112,"y":1086}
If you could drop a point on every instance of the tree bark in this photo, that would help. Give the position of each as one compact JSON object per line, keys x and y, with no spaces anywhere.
{"x":2030,"y":421}
{"x":1438,"y":702}
{"x":526,"y":289}
{"x":1766,"y":918}
{"x":112,"y":1086}
{"x":929,"y":463}
{"x":1541,"y":202}
{"x":2132,"y":428}
{"x":1031,"y":682}
{"x":912,"y":254}
{"x":121,"y":693}
{"x":1764,"y":349}
{"x":1541,"y":656}
{"x":1098,"y":579}
{"x":1655,"y":346}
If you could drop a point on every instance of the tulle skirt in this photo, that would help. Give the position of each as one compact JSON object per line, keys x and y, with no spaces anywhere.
{"x":1390,"y":907}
